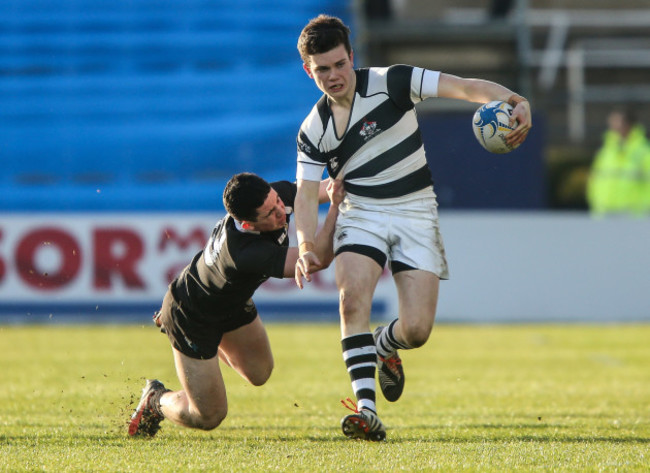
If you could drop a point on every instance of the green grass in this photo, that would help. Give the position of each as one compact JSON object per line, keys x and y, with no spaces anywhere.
{"x":478,"y":398}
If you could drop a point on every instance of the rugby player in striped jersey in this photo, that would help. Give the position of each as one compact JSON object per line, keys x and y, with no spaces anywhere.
{"x":364,"y":130}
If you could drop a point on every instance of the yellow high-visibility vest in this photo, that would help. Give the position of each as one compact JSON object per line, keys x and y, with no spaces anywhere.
{"x":619,"y":181}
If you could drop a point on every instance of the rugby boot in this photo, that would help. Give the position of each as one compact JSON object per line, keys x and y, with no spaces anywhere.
{"x":145,"y":421}
{"x":362,"y":424}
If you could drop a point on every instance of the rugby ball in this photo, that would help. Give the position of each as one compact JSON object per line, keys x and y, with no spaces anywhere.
{"x":491,"y":124}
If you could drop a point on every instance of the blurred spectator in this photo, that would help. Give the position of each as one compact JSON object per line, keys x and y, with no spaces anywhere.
{"x":619,"y":182}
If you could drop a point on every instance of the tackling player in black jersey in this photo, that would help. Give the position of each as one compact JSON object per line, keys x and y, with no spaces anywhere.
{"x":208,"y":311}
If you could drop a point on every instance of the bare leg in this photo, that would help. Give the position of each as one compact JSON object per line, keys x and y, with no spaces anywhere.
{"x":418,"y":297}
{"x":202,"y":403}
{"x":247,"y":350}
{"x":356,"y":278}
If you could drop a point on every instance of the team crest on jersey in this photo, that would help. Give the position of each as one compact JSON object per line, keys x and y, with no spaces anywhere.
{"x":369,"y":129}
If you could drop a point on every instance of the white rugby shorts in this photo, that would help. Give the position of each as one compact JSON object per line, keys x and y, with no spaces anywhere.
{"x":406,"y":233}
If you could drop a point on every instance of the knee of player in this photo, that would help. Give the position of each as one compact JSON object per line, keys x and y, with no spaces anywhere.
{"x":416,"y":335}
{"x":262,"y":375}
{"x":349,"y":303}
{"x":212,"y":421}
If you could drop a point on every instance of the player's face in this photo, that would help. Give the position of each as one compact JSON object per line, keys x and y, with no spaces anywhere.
{"x":271,"y":214}
{"x":333,"y":72}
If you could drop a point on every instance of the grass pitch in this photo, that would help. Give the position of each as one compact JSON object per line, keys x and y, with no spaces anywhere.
{"x":477,"y":398}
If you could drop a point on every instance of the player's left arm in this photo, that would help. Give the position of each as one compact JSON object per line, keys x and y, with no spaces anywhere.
{"x":483,"y":91}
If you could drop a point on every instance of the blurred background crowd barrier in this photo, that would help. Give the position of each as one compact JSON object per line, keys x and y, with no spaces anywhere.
{"x":116,"y":113}
{"x":575,"y":60}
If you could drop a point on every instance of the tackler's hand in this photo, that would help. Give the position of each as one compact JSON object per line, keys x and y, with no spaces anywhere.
{"x":307,"y":263}
{"x":335,"y":191}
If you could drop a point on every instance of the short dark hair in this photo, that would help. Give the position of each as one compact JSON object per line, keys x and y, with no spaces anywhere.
{"x":323,"y":34}
{"x":244,"y":194}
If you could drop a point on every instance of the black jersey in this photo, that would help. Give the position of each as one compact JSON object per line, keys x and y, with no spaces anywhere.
{"x":234,"y":263}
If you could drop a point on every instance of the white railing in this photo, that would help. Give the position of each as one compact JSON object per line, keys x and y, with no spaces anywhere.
{"x":558,"y":53}
{"x":602,"y":53}
{"x":579,"y":57}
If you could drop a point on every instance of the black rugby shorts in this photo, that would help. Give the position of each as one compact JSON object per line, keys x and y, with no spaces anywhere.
{"x":198,"y":335}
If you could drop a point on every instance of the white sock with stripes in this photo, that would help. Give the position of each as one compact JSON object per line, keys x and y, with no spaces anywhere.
{"x":387,"y":342}
{"x":360,"y":356}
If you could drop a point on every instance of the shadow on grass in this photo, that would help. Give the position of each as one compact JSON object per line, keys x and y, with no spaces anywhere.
{"x":276,"y":435}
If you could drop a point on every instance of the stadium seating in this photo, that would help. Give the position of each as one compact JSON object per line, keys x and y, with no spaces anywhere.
{"x":114,"y":105}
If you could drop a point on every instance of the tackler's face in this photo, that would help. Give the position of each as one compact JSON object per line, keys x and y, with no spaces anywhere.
{"x":271,"y":215}
{"x":333,"y":72}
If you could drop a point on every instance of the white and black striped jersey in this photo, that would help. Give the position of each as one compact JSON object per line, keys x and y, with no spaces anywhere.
{"x":380,"y":155}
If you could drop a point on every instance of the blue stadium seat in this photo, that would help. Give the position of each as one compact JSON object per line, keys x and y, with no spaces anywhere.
{"x":111,"y":105}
